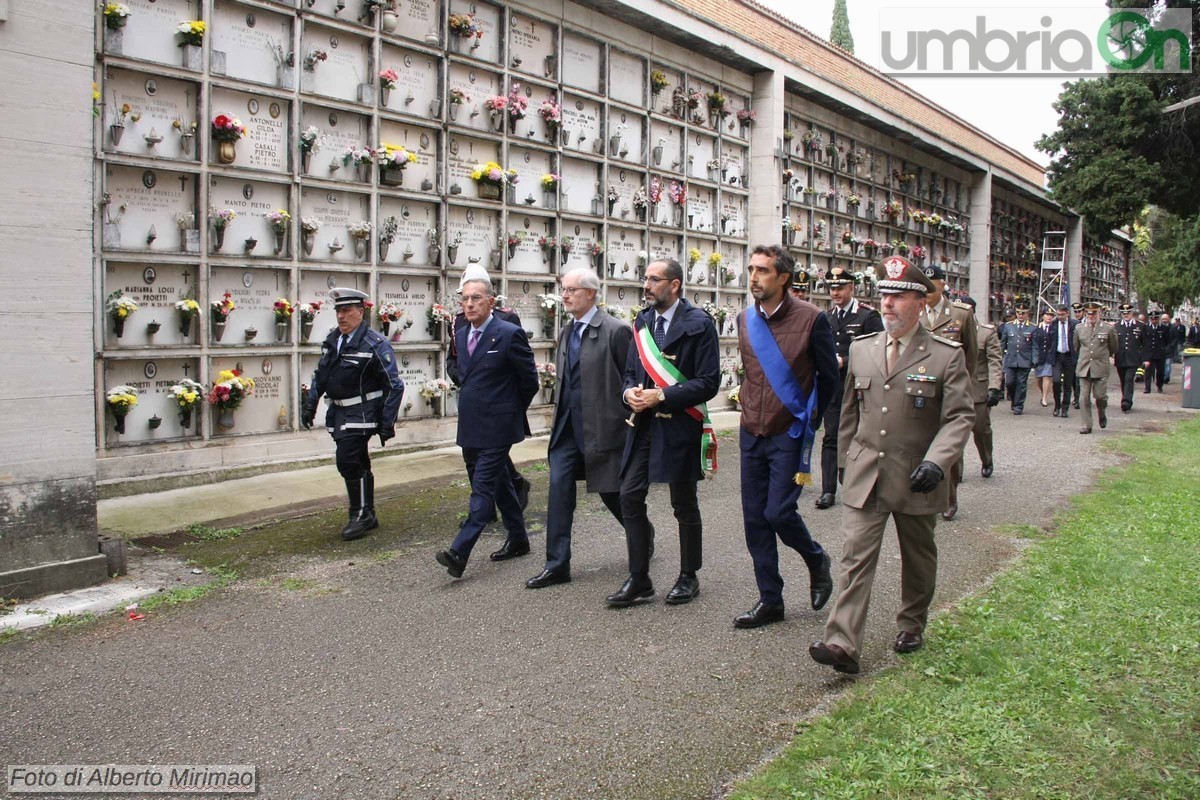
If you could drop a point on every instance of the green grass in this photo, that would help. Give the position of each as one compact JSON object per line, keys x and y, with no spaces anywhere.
{"x":221,"y":577}
{"x":209,"y":534}
{"x":1077,"y":675}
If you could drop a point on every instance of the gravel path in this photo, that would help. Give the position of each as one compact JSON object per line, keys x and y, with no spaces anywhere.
{"x":385,"y":679}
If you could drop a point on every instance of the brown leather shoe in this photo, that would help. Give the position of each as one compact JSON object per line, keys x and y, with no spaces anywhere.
{"x":832,"y":655}
{"x":908,"y":642}
{"x":1085,"y":430}
{"x":950,"y":511}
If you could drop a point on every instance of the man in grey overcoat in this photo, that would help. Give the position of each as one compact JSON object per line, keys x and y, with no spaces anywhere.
{"x":588,"y":434}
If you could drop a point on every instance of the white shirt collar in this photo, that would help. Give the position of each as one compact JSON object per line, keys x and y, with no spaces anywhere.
{"x":586,"y":319}
{"x":480,"y":328}
{"x":669,"y":314}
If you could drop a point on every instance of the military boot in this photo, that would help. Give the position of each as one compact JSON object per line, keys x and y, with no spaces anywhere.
{"x":362,"y":507}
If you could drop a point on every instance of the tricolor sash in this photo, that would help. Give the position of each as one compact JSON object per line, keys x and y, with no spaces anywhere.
{"x":664,"y":374}
{"x":787,"y":388}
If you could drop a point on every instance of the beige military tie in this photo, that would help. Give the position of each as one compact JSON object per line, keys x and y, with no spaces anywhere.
{"x":893,"y":355}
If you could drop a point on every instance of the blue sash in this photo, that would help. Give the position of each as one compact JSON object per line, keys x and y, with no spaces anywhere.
{"x":786,"y":387}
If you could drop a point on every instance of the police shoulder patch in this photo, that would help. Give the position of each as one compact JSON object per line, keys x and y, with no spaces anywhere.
{"x":944,"y":340}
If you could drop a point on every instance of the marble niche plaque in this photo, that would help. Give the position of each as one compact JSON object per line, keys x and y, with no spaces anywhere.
{"x":415,"y":294}
{"x":418,"y":87}
{"x":623,"y":249}
{"x":532,"y":46}
{"x":698,"y":297}
{"x":701,"y":274}
{"x":666,"y":146}
{"x":701,"y":150}
{"x":661,"y":102}
{"x":627,"y":77}
{"x":340,"y":131}
{"x":464,"y":154}
{"x":735,"y":262}
{"x":155,"y":288}
{"x":249,"y":234}
{"x":734,"y":159}
{"x":522,"y":297}
{"x":700,"y":116}
{"x":583,"y":236}
{"x":664,"y":212}
{"x":531,"y":166}
{"x":415,"y":368}
{"x":528,"y":256}
{"x":252,"y":44}
{"x":733,"y":304}
{"x":626,"y":182}
{"x":731,"y":127}
{"x":701,"y":205}
{"x":345,"y":70}
{"x":473,"y":235}
{"x":166,"y":109}
{"x":149,"y":32}
{"x":414,"y":221}
{"x":267,"y":121}
{"x":335,"y":212}
{"x":254,"y":291}
{"x":581,"y":189}
{"x":664,"y":245}
{"x":476,"y":86}
{"x":269,"y":407}
{"x":487,"y":17}
{"x":420,"y":20}
{"x":315,"y":285}
{"x":626,"y":136}
{"x":531,"y":127}
{"x":581,"y":125}
{"x":582,"y":65}
{"x":144,"y":206}
{"x":420,"y":176}
{"x":153,"y":378}
{"x":733,"y":215}
{"x":628,"y":299}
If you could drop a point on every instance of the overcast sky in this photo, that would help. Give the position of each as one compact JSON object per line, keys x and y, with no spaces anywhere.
{"x":1015,"y":110}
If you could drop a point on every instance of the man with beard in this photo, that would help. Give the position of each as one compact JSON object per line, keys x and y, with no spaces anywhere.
{"x":791,"y":373}
{"x":673,"y":371}
{"x":907,"y":401}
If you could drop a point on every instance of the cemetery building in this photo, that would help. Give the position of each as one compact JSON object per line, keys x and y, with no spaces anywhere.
{"x":190,"y":218}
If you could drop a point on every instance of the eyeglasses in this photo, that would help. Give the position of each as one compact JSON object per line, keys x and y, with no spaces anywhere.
{"x":654,"y":280}
{"x":568,"y":291}
{"x":475,"y":298}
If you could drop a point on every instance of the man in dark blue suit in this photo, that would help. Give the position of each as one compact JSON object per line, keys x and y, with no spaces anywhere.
{"x":499,"y":379}
{"x":673,"y":370}
{"x":1061,"y":354}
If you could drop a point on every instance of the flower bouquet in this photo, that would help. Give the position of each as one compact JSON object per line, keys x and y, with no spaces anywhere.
{"x":191,"y":33}
{"x":188,"y":310}
{"x":495,"y":106}
{"x":513,"y":241}
{"x":186,"y":394}
{"x":310,"y":142}
{"x":115,"y":16}
{"x":658,"y":82}
{"x":226,"y":131}
{"x":548,"y":244}
{"x":308,"y":233}
{"x":120,"y":399}
{"x":746,"y":117}
{"x":308,"y":315}
{"x":387,"y":234}
{"x":360,"y":232}
{"x":436,"y":316}
{"x":227,"y":394}
{"x":361,"y":158}
{"x":551,"y":114}
{"x":221,"y":309}
{"x":551,"y":305}
{"x":433,"y":392}
{"x":518,"y":105}
{"x":391,"y":316}
{"x":465,"y":28}
{"x":388,"y":79}
{"x":119,"y":307}
{"x":548,"y":378}
{"x":564,"y":248}
{"x":392,"y":163}
{"x":489,"y":179}
{"x":279,"y":220}
{"x":220,"y":221}
{"x":284,"y":310}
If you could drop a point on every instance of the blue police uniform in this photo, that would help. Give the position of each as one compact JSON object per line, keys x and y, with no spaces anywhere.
{"x":357,"y":373}
{"x":1016,"y":339}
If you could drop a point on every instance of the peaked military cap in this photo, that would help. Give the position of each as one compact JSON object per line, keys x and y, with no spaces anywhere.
{"x":1077,"y":306}
{"x":800,"y":281}
{"x":935,"y":272}
{"x":839,"y":276}
{"x":347,"y":297}
{"x":1092,"y":305}
{"x":1126,"y":308}
{"x":473,"y":272}
{"x":898,"y":274}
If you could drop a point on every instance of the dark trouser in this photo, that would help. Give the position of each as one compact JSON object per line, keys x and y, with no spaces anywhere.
{"x":353,"y":460}
{"x":1167,"y":368}
{"x":1128,"y":377}
{"x":769,"y":497}
{"x":1064,"y":380}
{"x":516,"y":477}
{"x":491,"y":486}
{"x":1155,"y":372}
{"x":1077,"y":390}
{"x":983,"y":433}
{"x":1017,"y":377}
{"x":566,"y":467}
{"x":634,"y":486}
{"x":831,"y":419}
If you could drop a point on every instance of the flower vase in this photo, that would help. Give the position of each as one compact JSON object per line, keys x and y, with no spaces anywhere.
{"x":225,"y":418}
{"x":497,"y":121}
{"x":360,"y":249}
{"x":550,"y":198}
{"x":566,"y":137}
{"x":489,"y":191}
{"x":389,"y":21}
{"x":435,"y":406}
{"x":218,"y":239}
{"x":453,"y":111}
{"x":658,"y":154}
{"x":120,"y":425}
{"x":550,"y":66}
{"x":185,"y":417}
{"x":152,"y":328}
{"x":218,"y":329}
{"x":279,"y":242}
{"x":119,"y":326}
{"x":226,"y":152}
{"x":185,"y":143}
{"x":564,"y":254}
{"x":547,"y":394}
{"x":455,"y":42}
{"x":191,"y":57}
{"x":512,"y":250}
{"x":435,"y":256}
{"x":641,"y":213}
{"x":308,"y":241}
{"x":452,"y":253}
{"x":155,"y":422}
{"x":384,"y":94}
{"x":306,"y":327}
{"x":495,"y":258}
{"x":362,"y":173}
{"x":185,"y":325}
{"x":116,"y":132}
{"x":281,"y":331}
{"x":391,"y":176}
{"x":305,"y":161}
{"x":614,"y":145}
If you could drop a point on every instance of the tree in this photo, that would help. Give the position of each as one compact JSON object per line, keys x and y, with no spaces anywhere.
{"x":1115,"y":152}
{"x":840,"y":34}
{"x":1166,"y":258}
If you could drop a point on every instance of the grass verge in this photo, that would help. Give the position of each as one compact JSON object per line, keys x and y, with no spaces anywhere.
{"x":1073,"y":676}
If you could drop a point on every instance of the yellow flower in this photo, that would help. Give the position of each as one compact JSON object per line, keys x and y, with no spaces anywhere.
{"x":477,"y":174}
{"x":412,"y":157}
{"x":122,"y":312}
{"x":95,"y":93}
{"x":226,"y":375}
{"x":189,"y":397}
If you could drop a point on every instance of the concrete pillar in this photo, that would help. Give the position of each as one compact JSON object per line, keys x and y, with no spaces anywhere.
{"x":766,"y":138}
{"x":47,"y":398}
{"x":979,"y":273}
{"x":1074,"y":257}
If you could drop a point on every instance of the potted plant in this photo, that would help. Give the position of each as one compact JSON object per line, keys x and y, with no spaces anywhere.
{"x":119,"y":307}
{"x":283,"y":309}
{"x":120,"y":399}
{"x":308,"y":233}
{"x":191,"y":38}
{"x":387,"y":81}
{"x":221,"y":309}
{"x":279,"y":221}
{"x":310,"y":142}
{"x":551,"y":114}
{"x":186,"y":394}
{"x":227,"y":394}
{"x":550,"y":182}
{"x":226,"y":131}
{"x":360,"y":232}
{"x":387,"y":234}
{"x":392,"y":163}
{"x":308,"y":315}
{"x":746,"y":117}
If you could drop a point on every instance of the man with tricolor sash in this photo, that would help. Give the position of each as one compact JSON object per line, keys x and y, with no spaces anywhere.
{"x":673,"y":370}
{"x":791,"y":374}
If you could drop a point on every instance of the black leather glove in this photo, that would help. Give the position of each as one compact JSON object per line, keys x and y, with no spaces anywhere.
{"x":994,"y":396}
{"x":386,"y":433}
{"x":842,"y":475}
{"x":307,"y":415}
{"x":926,"y":477}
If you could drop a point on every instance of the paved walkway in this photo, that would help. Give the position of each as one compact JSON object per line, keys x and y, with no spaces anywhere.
{"x":367,"y":677}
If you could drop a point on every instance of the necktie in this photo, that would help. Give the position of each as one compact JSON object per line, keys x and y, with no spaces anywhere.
{"x":893,"y":355}
{"x":575,"y":343}
{"x":1062,"y":337}
{"x":474,"y":340}
{"x":342,"y":341}
{"x":660,"y":331}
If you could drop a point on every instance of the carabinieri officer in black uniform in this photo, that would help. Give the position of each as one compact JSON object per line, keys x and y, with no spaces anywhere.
{"x":357,"y":372}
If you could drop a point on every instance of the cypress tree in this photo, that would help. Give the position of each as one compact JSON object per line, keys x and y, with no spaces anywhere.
{"x":840,"y":34}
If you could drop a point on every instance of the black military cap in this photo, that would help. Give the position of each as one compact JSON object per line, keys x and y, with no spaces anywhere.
{"x":800,"y":281}
{"x":1126,"y":308}
{"x":1022,"y":306}
{"x":970,"y":301}
{"x":839,"y":276}
{"x":934,"y":272}
{"x":1077,"y":306}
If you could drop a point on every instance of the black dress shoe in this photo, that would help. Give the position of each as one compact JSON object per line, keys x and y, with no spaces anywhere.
{"x":685,"y":589}
{"x":1018,"y":411}
{"x":523,"y":486}
{"x":832,"y":655}
{"x":1075,"y":405}
{"x":908,"y":642}
{"x":452,"y":561}
{"x":986,"y":470}
{"x":1063,"y":414}
{"x":761,"y":614}
{"x":547,"y":578}
{"x":826,"y":500}
{"x":360,"y":526}
{"x":631,"y":592}
{"x":951,"y":511}
{"x":820,"y":586}
{"x":1056,"y":412}
{"x":511,"y":549}
{"x":1103,"y":418}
